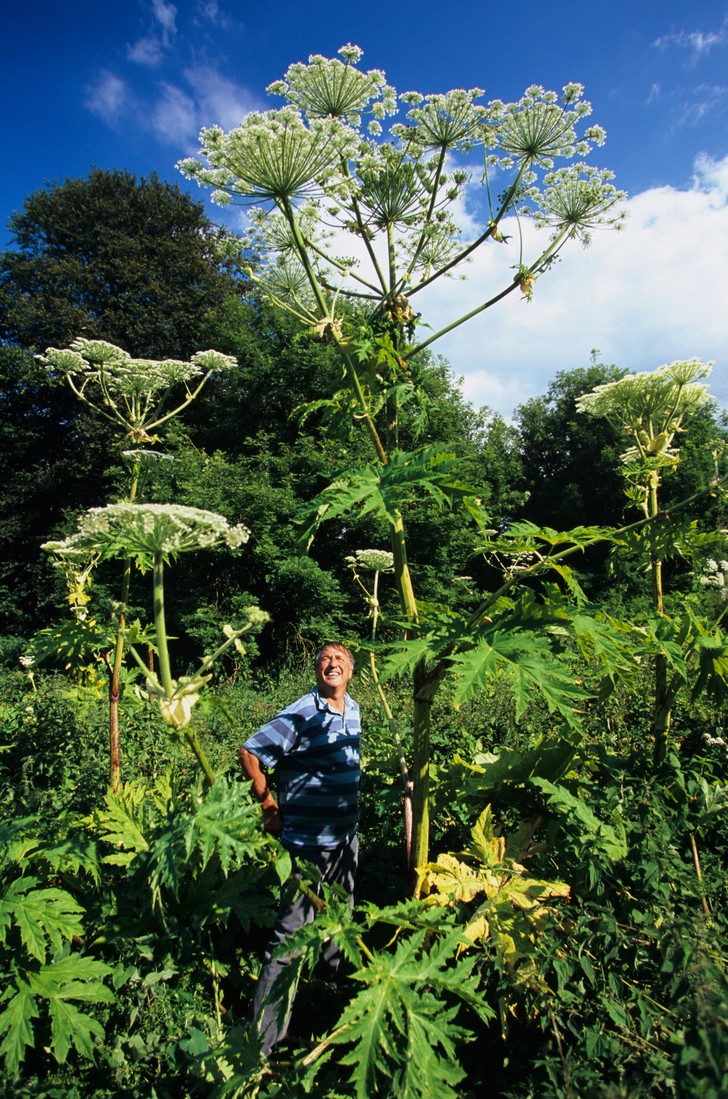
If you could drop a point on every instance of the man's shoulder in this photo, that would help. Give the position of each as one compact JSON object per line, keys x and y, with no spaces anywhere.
{"x":303,"y":704}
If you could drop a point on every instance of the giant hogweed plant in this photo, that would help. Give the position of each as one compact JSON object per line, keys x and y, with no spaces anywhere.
{"x":152,"y":535}
{"x":136,"y":396}
{"x":650,"y":410}
{"x":356,"y":193}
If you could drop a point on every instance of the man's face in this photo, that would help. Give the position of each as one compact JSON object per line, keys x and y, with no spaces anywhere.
{"x":333,"y":671}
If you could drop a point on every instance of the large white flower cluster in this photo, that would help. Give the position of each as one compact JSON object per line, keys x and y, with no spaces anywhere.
{"x":132,"y":393}
{"x":144,"y":531}
{"x":324,"y":162}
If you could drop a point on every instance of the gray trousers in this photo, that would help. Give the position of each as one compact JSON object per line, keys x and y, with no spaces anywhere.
{"x":336,"y":867}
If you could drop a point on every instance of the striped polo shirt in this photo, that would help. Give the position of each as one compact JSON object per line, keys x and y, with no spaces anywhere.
{"x":315,"y":751}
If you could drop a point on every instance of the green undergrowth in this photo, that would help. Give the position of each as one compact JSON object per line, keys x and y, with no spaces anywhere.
{"x":572,"y":942}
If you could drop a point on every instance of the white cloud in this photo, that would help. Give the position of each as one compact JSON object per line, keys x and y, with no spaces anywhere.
{"x":165,"y":14}
{"x":211,"y":11}
{"x":174,"y":117}
{"x":108,"y":98}
{"x":651,"y":294}
{"x":180,"y":113}
{"x":147,"y":51}
{"x":219,"y":99}
{"x":711,"y":176}
{"x":150,"y":49}
{"x":698,"y":43}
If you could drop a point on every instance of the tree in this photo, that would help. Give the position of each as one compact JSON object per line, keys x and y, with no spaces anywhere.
{"x":115,"y":258}
{"x":130,"y":261}
{"x":569,"y":462}
{"x":312,"y":166}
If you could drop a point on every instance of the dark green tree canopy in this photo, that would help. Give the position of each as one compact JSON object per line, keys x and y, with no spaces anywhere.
{"x":570,"y":461}
{"x":112,"y":257}
{"x":130,"y":261}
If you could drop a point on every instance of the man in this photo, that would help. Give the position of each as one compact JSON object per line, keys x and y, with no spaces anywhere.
{"x":313,"y":745}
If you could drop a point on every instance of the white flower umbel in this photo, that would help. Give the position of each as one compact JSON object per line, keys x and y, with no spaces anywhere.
{"x":649,"y":408}
{"x":137,"y":396}
{"x":329,"y":88}
{"x":327,"y":157}
{"x":132,"y":393}
{"x":374,"y":559}
{"x":272,"y":155}
{"x":143,"y":531}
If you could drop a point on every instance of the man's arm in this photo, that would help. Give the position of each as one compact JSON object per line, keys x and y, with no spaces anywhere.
{"x":253,"y":771}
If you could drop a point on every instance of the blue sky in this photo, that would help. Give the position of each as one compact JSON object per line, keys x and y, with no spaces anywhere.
{"x":128,"y":84}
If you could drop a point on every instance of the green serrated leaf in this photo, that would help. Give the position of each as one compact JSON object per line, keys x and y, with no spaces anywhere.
{"x":400,"y":1026}
{"x":44,"y":917}
{"x":70,"y":1027}
{"x":382,"y":490}
{"x":612,"y":840}
{"x":16,"y":1022}
{"x":531,"y":667}
{"x":123,"y":824}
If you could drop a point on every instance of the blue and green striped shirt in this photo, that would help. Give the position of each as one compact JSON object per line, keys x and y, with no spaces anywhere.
{"x":315,"y":751}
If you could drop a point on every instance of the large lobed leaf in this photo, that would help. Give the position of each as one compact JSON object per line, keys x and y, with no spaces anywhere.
{"x":58,"y":986}
{"x":44,"y":917}
{"x":532,"y":669}
{"x":382,"y":490}
{"x":402,"y":1027}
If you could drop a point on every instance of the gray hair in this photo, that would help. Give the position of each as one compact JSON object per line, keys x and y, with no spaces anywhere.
{"x":340,"y":648}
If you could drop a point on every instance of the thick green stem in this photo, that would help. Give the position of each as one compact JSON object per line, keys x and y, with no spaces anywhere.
{"x":200,"y":756}
{"x":391,"y":258}
{"x":421,"y":779}
{"x":160,"y":626}
{"x":461,"y":320}
{"x":118,"y":662}
{"x":351,"y":373}
{"x":165,"y":670}
{"x":355,"y":385}
{"x":420,"y":774}
{"x":402,"y":575}
{"x":546,"y":256}
{"x":662,"y":710}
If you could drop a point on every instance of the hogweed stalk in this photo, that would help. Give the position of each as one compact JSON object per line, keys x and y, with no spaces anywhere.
{"x":133,"y":395}
{"x":151,"y":535}
{"x":649,"y":410}
{"x":360,"y":194}
{"x":382,"y":561}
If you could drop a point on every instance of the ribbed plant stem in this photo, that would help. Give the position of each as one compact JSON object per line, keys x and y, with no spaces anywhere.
{"x":662,"y":709}
{"x":115,"y":674}
{"x":165,"y":670}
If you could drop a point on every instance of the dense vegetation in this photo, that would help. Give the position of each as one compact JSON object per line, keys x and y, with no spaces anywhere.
{"x":566,"y":936}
